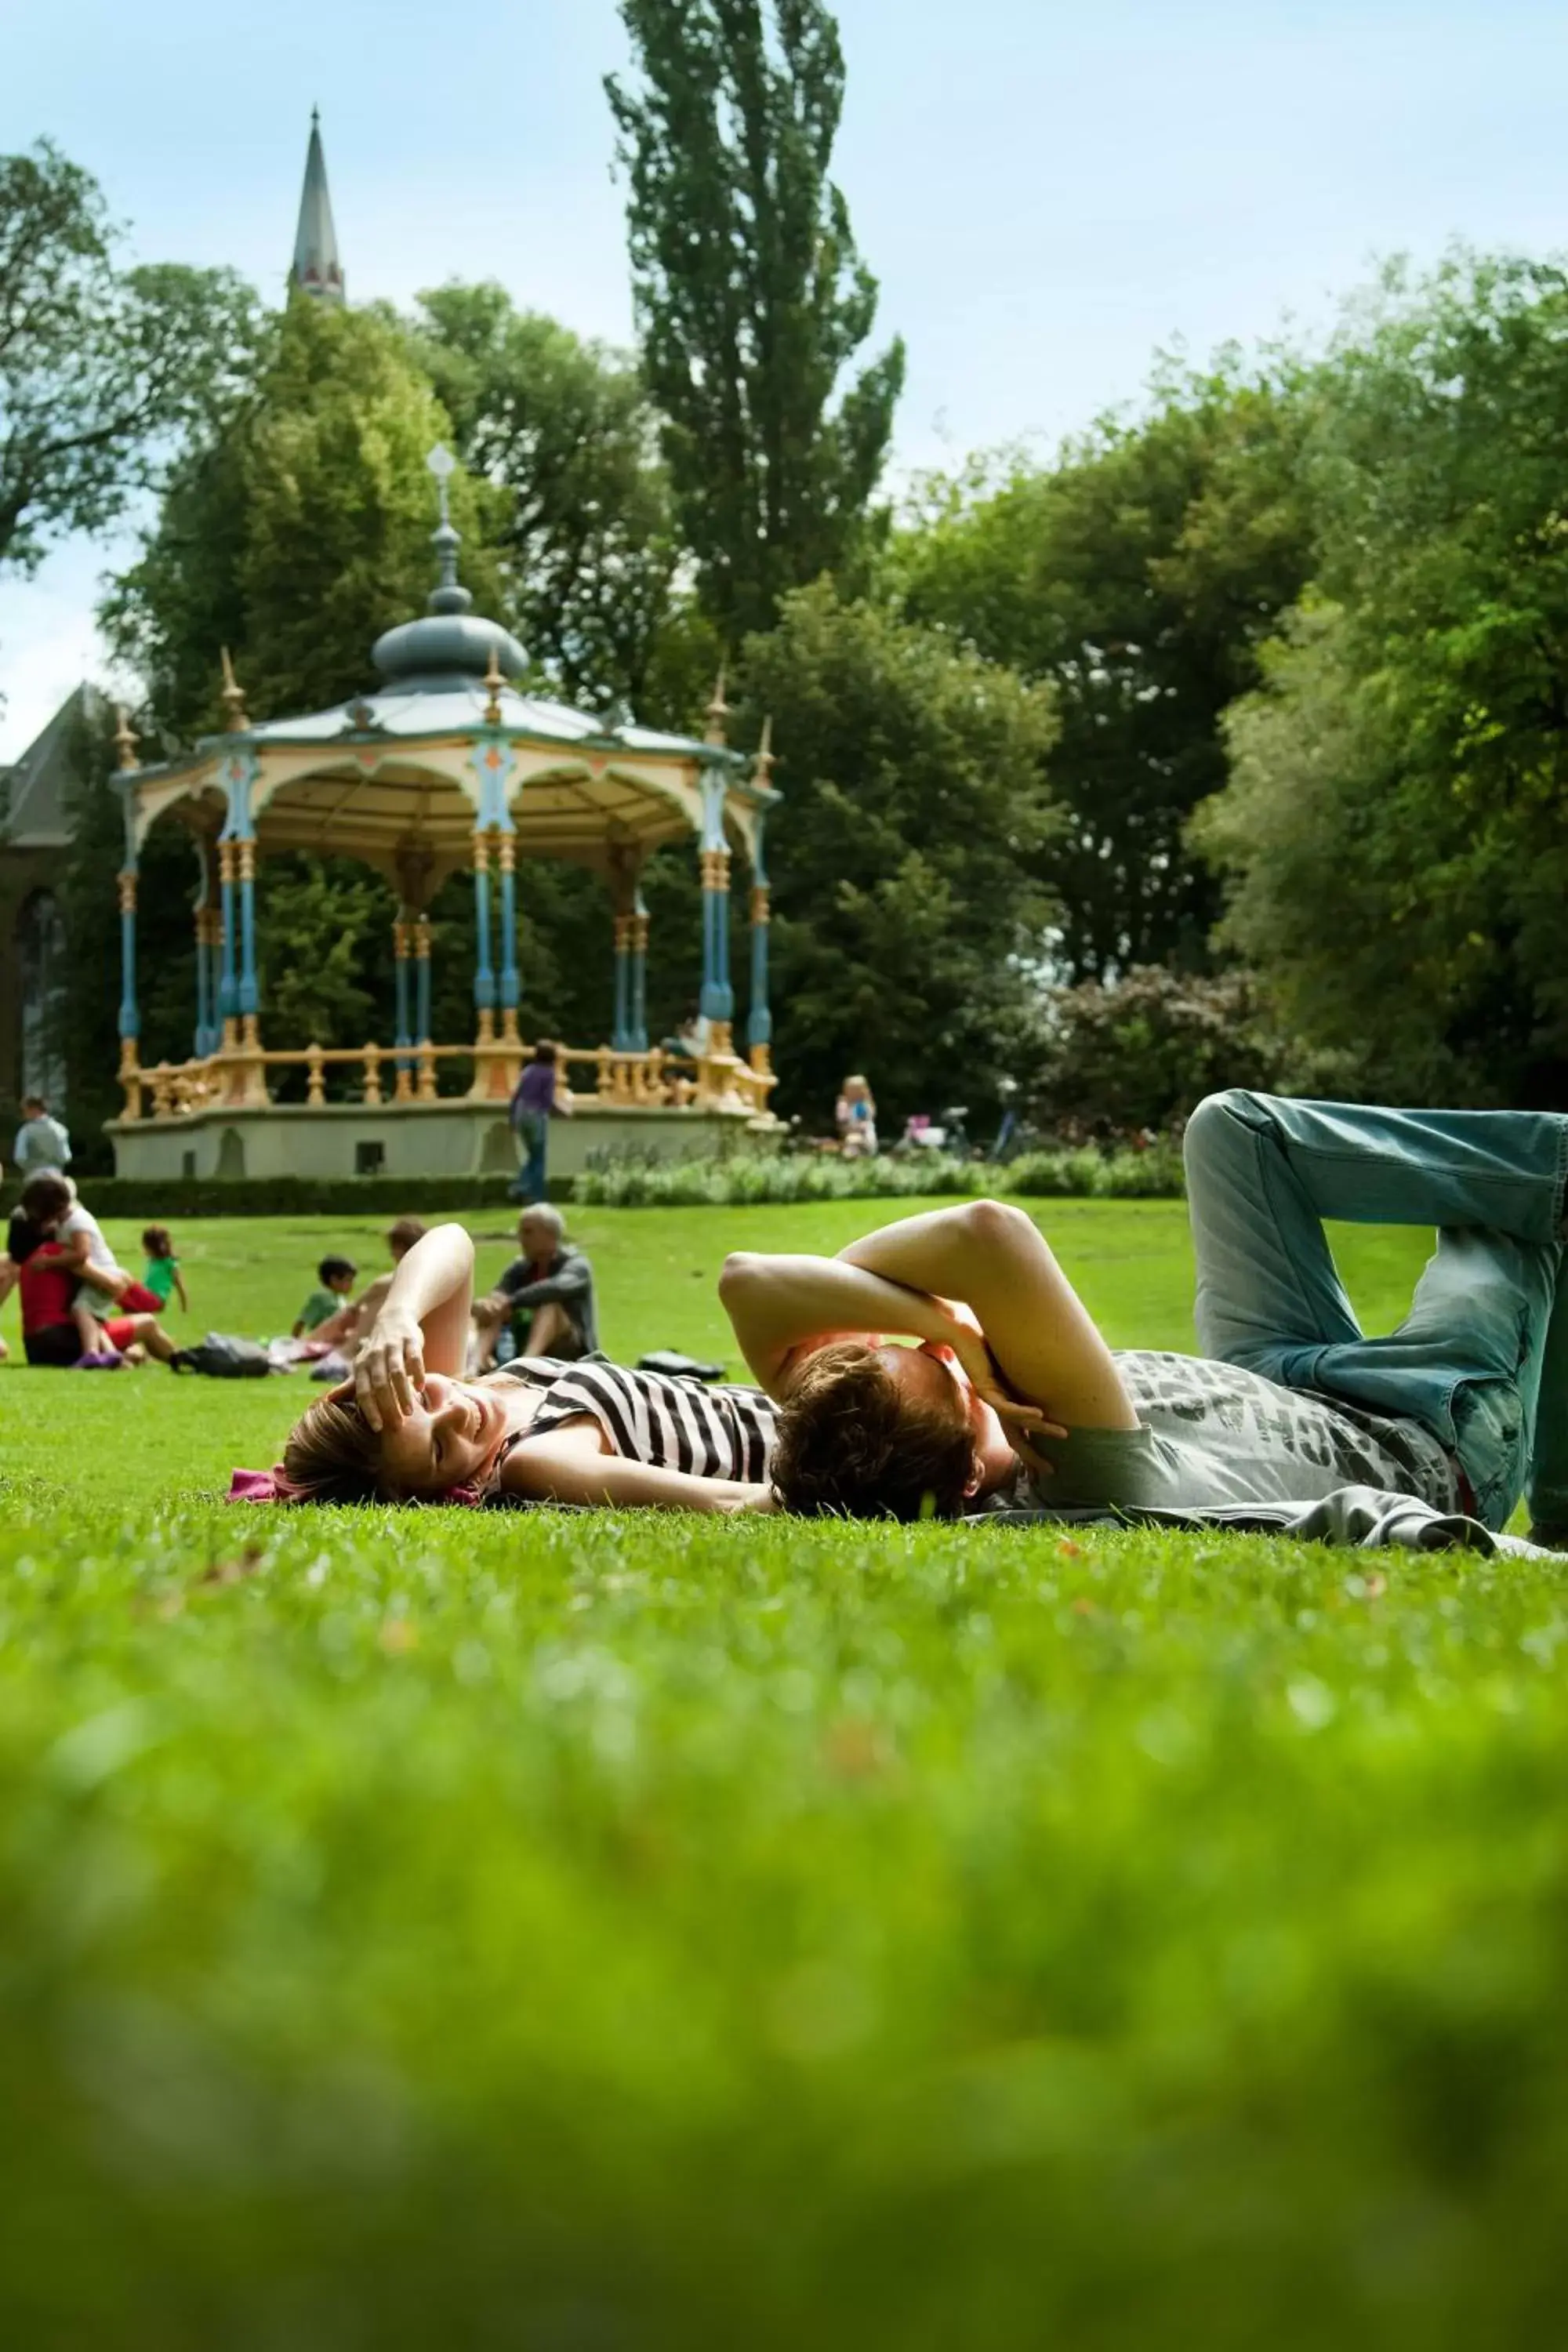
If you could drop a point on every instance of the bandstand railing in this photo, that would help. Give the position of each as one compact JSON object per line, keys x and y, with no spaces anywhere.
{"x":237,"y":1075}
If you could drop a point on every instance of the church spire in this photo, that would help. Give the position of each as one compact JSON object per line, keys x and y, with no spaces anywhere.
{"x":317,"y":271}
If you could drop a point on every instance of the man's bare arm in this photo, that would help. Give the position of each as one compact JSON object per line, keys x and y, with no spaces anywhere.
{"x":995,"y":1259}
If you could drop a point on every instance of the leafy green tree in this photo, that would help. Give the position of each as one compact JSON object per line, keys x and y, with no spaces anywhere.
{"x":1141,"y":1053}
{"x":299,"y":530}
{"x":909,"y":924}
{"x":103,"y":369}
{"x":1137,"y":574}
{"x":294,"y":533}
{"x":1395,"y":823}
{"x":584,"y":529}
{"x":751,"y":299}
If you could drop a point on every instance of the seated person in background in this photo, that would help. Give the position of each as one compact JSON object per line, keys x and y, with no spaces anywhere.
{"x":57,"y":1279}
{"x":162,"y":1274}
{"x":348,"y":1326}
{"x":548,"y":1292}
{"x":327,"y":1313}
{"x":400,"y":1239}
{"x":855,"y":1117}
{"x":83,"y":1239}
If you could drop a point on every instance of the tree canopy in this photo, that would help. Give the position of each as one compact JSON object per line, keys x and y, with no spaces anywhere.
{"x":103,"y":368}
{"x":1137,"y":574}
{"x":909,"y":923}
{"x":584,"y":526}
{"x":1395,"y":824}
{"x":751,"y":299}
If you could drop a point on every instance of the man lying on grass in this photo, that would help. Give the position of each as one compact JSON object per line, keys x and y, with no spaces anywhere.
{"x":1463,"y":1407}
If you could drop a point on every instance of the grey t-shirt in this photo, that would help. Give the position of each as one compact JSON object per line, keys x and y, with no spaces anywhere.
{"x":1210,"y":1434}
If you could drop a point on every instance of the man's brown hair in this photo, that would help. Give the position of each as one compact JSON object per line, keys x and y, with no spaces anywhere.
{"x":402,"y":1236}
{"x":851,"y":1441}
{"x":44,"y":1197}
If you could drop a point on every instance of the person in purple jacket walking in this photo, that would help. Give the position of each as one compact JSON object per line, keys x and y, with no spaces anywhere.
{"x":534,"y":1102}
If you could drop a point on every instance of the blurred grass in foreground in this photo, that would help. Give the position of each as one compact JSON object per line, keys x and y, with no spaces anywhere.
{"x":426,"y":1930}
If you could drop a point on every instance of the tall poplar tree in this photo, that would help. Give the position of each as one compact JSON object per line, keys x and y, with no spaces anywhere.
{"x":751,"y":299}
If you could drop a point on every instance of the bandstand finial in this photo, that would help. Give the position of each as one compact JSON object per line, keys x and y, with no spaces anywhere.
{"x":124,"y":742}
{"x":762,"y":767}
{"x":233,"y":697}
{"x":718,"y":712}
{"x":446,"y":596}
{"x":494,"y":681}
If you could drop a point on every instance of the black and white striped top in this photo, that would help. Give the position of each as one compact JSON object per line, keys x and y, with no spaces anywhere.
{"x":672,"y":1425}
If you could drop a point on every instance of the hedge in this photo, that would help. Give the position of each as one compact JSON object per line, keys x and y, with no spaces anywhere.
{"x":278,"y":1196}
{"x":625,"y":1181}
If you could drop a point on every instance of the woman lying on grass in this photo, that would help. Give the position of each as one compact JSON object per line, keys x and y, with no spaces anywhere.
{"x":408,"y":1427}
{"x":1465,"y":1406}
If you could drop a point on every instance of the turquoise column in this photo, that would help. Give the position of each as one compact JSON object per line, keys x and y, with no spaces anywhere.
{"x":484,"y":973}
{"x":130,"y":1014}
{"x":400,"y":972}
{"x":759,"y":1021}
{"x":506,"y":853}
{"x":249,"y":999}
{"x":229,"y":987}
{"x":717,"y":998}
{"x":636,"y":1010}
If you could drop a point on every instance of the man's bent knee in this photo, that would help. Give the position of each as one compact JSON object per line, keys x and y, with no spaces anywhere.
{"x":1220,"y":1122}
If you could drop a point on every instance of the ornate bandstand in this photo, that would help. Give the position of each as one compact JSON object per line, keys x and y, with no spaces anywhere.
{"x":445,"y":766}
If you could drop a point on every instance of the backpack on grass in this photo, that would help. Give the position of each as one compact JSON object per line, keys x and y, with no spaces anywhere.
{"x":222,"y":1358}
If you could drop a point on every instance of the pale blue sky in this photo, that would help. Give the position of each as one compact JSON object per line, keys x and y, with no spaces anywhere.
{"x":1046,"y":192}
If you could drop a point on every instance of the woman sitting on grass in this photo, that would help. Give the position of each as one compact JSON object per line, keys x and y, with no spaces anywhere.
{"x":1465,"y":1406}
{"x":409,"y":1428}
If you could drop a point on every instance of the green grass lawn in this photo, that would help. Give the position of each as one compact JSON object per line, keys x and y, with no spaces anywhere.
{"x":436,"y":1929}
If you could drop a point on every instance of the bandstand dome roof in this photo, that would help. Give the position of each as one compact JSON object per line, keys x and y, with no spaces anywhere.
{"x":448,"y":741}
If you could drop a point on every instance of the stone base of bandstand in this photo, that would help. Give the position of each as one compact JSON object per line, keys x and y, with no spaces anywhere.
{"x":457,"y":1137}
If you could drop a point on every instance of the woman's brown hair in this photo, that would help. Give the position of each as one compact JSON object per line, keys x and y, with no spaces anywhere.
{"x":333,"y":1456}
{"x":850,"y":1440}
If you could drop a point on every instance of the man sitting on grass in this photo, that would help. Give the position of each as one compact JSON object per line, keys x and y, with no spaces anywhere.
{"x":544,"y":1303}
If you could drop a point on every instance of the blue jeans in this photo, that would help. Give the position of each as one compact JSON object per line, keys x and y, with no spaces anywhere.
{"x":532,"y":1129}
{"x":1481,"y":1359}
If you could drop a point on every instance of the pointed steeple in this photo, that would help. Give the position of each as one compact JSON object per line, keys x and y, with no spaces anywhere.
{"x":317,"y":271}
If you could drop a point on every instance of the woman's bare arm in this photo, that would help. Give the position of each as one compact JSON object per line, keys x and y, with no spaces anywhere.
{"x":781,"y":1308}
{"x":570,"y":1466}
{"x":995,"y":1261}
{"x":422,"y":1326}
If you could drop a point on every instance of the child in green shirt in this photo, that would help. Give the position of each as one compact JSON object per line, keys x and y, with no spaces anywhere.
{"x":336,"y":1278}
{"x":162,"y":1274}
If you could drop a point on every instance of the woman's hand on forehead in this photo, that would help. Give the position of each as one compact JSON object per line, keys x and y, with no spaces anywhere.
{"x":389,"y":1370}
